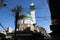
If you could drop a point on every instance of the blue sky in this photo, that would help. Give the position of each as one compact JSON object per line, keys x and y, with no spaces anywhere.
{"x":42,"y":10}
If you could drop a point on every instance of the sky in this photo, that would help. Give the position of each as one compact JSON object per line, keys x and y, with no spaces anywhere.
{"x":42,"y":11}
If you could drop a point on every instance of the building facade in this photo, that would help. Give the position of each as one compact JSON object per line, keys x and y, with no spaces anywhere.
{"x":55,"y":18}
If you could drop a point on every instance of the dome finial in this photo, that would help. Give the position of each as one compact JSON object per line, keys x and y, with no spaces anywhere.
{"x":32,"y":4}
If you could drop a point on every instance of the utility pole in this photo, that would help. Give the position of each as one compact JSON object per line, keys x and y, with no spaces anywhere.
{"x":17,"y":10}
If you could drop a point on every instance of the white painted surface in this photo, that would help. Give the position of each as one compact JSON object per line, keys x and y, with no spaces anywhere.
{"x":32,"y":4}
{"x":24,"y":21}
{"x":33,"y":16}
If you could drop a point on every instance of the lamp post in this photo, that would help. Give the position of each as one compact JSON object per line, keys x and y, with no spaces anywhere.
{"x":17,"y":9}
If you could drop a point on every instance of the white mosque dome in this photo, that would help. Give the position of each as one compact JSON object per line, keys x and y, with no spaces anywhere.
{"x":25,"y":18}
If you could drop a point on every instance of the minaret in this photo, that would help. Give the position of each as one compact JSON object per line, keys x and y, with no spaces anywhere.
{"x":32,"y":11}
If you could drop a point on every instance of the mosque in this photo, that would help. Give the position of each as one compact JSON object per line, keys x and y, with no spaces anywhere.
{"x":27,"y":20}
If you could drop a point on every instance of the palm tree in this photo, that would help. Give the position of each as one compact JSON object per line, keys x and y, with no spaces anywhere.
{"x":17,"y":10}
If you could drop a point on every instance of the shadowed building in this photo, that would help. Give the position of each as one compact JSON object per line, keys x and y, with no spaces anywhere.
{"x":55,"y":18}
